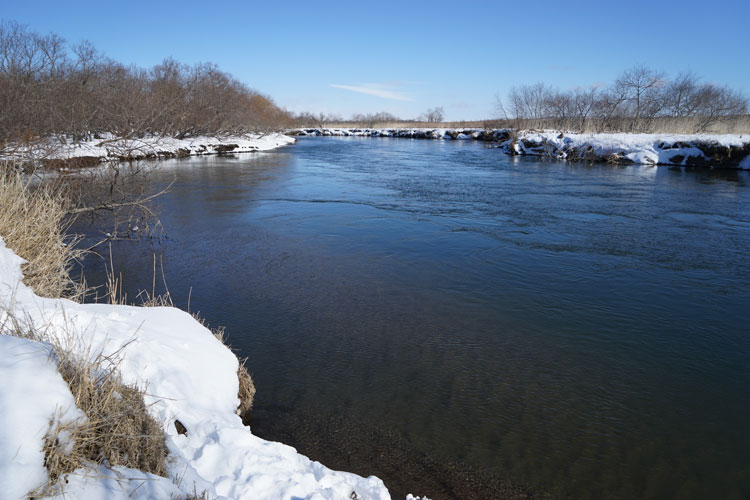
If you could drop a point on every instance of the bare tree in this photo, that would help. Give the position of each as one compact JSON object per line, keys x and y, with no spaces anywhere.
{"x":48,"y":89}
{"x":639,"y":100}
{"x":716,"y":103}
{"x":558,"y":107}
{"x":708,"y":103}
{"x":680,"y":96}
{"x":527,"y":104}
{"x":435,"y":115}
{"x":641,"y":90}
{"x":583,"y":104}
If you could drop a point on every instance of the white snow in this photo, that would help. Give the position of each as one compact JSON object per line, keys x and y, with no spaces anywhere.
{"x":28,"y":373}
{"x":645,"y":149}
{"x":187,"y":374}
{"x":108,"y":147}
{"x":117,"y":483}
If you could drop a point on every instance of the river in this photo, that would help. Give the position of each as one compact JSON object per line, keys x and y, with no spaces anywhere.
{"x":455,"y":320}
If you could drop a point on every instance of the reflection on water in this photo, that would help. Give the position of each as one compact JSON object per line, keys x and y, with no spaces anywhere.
{"x":579,"y":328}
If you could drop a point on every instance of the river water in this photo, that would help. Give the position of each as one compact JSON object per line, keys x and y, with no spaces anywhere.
{"x":432,"y":311}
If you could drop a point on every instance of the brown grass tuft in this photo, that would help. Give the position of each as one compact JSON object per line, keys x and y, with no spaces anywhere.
{"x":247,"y":391}
{"x":33,"y":222}
{"x":117,"y":429}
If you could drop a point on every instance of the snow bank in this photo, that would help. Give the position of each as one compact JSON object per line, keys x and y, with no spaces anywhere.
{"x":704,"y":150}
{"x":187,"y":374}
{"x":28,"y":374}
{"x":108,"y":147}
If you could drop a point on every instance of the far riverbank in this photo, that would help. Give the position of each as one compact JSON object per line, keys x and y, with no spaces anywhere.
{"x":675,"y":150}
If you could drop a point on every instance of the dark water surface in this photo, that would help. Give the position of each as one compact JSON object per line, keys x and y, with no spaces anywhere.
{"x":581,"y":329}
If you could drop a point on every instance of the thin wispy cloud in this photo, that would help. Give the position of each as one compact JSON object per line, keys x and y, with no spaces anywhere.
{"x":375,"y":89}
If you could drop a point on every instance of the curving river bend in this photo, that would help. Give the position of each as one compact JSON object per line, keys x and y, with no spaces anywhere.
{"x":443,"y":315}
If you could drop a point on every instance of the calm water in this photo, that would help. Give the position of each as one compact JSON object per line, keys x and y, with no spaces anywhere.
{"x":580,"y":329}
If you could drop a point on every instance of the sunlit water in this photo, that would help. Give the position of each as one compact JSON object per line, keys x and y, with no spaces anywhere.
{"x":582,"y":329}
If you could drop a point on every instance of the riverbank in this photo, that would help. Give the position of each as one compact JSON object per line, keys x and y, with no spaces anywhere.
{"x":676,"y":150}
{"x":62,"y":153}
{"x":189,"y":387}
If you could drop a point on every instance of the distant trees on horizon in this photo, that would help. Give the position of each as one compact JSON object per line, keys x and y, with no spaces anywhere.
{"x":638,"y":100}
{"x":369,"y":120}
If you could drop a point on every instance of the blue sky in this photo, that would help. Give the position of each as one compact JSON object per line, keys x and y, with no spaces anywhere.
{"x":404,"y":57}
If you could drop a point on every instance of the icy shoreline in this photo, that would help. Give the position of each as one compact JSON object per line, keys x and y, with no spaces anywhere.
{"x":690,"y":150}
{"x":188,"y":375}
{"x":63,"y":153}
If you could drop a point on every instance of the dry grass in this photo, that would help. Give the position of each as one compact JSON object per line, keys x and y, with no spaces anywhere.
{"x":247,"y":391}
{"x":33,"y":223}
{"x":117,"y":429}
{"x":196,"y":496}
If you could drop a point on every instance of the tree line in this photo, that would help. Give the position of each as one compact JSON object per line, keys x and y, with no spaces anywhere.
{"x":368,"y":120}
{"x":49,"y":87}
{"x":641,"y":99}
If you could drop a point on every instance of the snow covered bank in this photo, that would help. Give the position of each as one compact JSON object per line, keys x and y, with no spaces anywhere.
{"x":695,"y":150}
{"x":699,"y":150}
{"x":188,"y":375}
{"x":66,"y":152}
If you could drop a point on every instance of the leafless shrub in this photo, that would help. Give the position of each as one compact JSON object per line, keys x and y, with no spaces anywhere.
{"x":118,"y":199}
{"x":320,"y":120}
{"x":432,"y":115}
{"x":48,"y":88}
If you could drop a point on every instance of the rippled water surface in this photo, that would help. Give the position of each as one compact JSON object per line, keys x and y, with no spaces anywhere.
{"x":582,"y":329}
